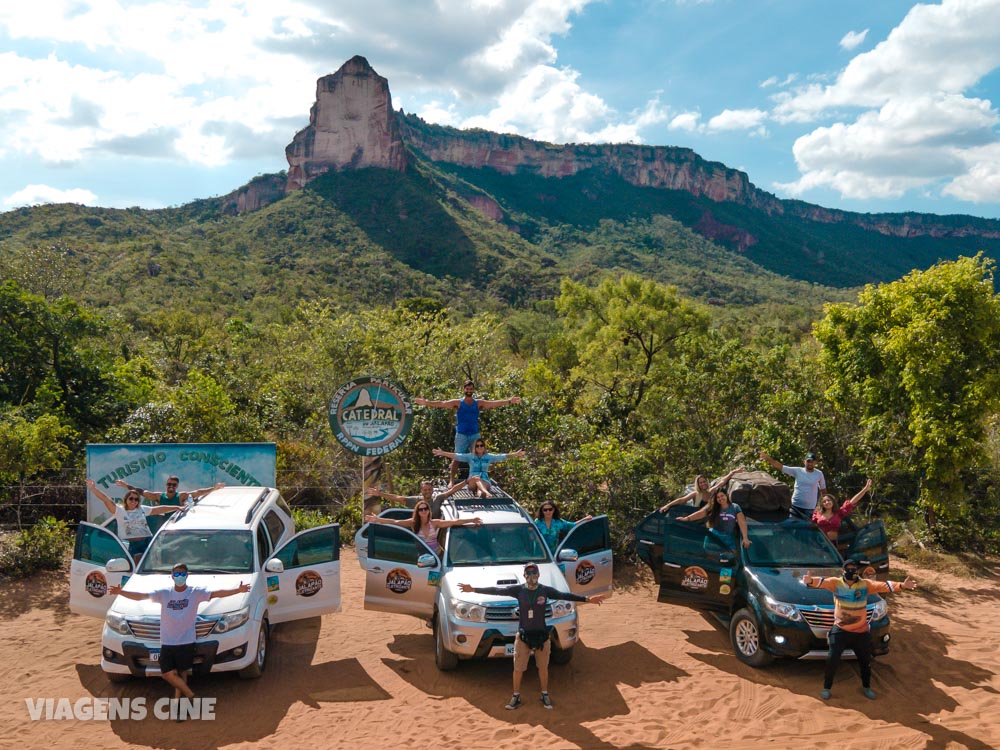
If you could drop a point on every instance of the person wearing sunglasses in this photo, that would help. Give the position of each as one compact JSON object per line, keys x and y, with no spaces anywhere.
{"x":424,"y":526}
{"x":479,"y":462}
{"x":178,"y":612}
{"x":551,"y":526}
{"x":171,"y":495}
{"x":133,"y":528}
{"x":533,"y":634}
{"x":466,"y":417}
{"x":850,"y":619}
{"x":427,"y":495}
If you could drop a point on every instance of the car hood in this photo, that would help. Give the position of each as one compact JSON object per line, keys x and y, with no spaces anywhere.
{"x":145,"y":584}
{"x":785,"y":584}
{"x":500,"y":576}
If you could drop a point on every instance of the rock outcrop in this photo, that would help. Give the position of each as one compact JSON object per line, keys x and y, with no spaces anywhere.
{"x":352,"y":125}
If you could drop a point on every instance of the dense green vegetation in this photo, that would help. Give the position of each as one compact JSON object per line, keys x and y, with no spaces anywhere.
{"x":644,"y":353}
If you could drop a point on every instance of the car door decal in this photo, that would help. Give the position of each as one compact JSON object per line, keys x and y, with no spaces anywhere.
{"x":398,"y":581}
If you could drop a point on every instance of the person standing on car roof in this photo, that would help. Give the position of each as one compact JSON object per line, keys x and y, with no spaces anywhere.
{"x":178,"y":612}
{"x":809,"y":483}
{"x":533,"y":633}
{"x":466,"y":418}
{"x":850,"y":619}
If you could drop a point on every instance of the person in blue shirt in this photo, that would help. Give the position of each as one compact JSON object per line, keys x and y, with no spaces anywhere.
{"x":722,"y":518}
{"x":551,"y":526}
{"x":479,"y":462}
{"x":466,"y":417}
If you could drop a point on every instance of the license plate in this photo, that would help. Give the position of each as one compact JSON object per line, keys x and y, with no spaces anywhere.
{"x":154,"y":655}
{"x":509,"y":649}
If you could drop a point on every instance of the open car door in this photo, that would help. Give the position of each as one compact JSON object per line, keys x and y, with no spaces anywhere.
{"x":870,"y":542}
{"x":88,"y":578}
{"x":402,"y":575}
{"x":309,"y":585}
{"x":591,"y":571}
{"x":697,"y":567}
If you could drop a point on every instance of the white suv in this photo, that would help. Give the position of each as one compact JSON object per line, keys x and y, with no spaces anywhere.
{"x":231,"y":535}
{"x":402,"y":575}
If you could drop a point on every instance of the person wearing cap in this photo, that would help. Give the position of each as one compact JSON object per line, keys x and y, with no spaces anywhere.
{"x":850,"y":619}
{"x":533,"y":634}
{"x":466,"y":418}
{"x":809,"y":482}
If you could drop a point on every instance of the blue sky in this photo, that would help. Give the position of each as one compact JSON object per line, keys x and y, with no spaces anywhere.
{"x":865,"y":105}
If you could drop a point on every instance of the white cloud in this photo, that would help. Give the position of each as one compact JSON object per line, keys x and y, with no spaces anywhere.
{"x":853,"y":39}
{"x":981,"y":182}
{"x":737,"y":119}
{"x":687,"y":121}
{"x":33,"y":195}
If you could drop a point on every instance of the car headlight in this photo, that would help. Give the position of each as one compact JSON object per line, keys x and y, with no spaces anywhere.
{"x":880,"y":610}
{"x":233,"y":620}
{"x":788,"y":611}
{"x":468,"y":611}
{"x":561,"y":608}
{"x":117,"y":623}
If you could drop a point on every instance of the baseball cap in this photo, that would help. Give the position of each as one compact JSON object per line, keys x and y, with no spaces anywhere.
{"x":857,"y":562}
{"x":530,"y":568}
{"x":810,"y":456}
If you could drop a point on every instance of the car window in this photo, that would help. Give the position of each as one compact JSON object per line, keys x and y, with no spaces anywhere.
{"x":692,"y":541}
{"x":96,"y":546}
{"x":781,"y":545}
{"x":394,"y":544}
{"x":280,"y":502}
{"x":263,"y":546}
{"x":314,"y":547}
{"x":589,"y":537}
{"x":496,"y":543}
{"x":275,"y":526}
{"x":202,"y":551}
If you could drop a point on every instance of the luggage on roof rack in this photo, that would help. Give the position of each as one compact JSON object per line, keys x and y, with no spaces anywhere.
{"x":759,"y":492}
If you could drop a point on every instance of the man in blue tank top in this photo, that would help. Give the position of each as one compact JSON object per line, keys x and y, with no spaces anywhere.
{"x":467,"y":418}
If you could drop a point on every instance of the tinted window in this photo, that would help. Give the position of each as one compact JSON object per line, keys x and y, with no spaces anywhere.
{"x":275,"y":526}
{"x":263,"y":546}
{"x":589,"y":537}
{"x":496,"y":543}
{"x":781,"y":545}
{"x":96,"y":546}
{"x":201,"y":551}
{"x":691,"y":540}
{"x":393,"y":544}
{"x":311,"y":548}
{"x":280,"y":502}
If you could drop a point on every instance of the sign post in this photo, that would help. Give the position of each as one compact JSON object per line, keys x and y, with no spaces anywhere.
{"x":370,"y":417}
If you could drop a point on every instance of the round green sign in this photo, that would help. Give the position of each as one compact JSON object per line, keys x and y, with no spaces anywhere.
{"x":370,"y":416}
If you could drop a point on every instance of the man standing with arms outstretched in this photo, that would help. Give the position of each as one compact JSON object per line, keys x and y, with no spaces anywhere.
{"x":466,"y":418}
{"x":809,"y":483}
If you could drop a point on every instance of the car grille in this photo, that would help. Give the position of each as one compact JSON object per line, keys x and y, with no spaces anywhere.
{"x":822,"y":617}
{"x":508,"y":612}
{"x":149,"y":630}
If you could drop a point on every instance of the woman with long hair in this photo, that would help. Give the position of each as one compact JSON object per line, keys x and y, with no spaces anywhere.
{"x":479,"y":462}
{"x":130,"y":516}
{"x":702,"y":493}
{"x":722,"y":518}
{"x":551,"y":525}
{"x":424,"y":526}
{"x":829,"y":513}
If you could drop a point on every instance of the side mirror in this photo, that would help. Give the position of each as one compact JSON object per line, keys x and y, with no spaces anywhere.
{"x":274,"y":565}
{"x":118,"y":565}
{"x":427,"y":561}
{"x":568,"y":555}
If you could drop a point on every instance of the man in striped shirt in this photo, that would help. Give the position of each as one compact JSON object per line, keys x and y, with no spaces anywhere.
{"x":850,"y":619}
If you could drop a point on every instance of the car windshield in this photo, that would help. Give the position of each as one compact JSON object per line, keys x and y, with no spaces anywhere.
{"x":782,"y":546}
{"x":201,"y":551}
{"x":496,"y":543}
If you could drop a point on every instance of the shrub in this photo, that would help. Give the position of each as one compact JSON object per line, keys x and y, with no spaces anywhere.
{"x":308,"y":519}
{"x":42,"y":547}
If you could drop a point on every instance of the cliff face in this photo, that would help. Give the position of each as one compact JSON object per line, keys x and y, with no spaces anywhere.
{"x":256,"y":194}
{"x":351,"y":126}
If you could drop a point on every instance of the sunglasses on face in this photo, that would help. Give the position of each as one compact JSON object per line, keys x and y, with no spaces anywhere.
{"x":532,"y":573}
{"x":423,"y":510}
{"x":547,"y":510}
{"x":171,"y":484}
{"x":180,"y":574}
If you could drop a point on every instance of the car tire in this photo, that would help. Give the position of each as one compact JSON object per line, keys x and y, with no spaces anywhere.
{"x":117,"y":677}
{"x":748,"y":639}
{"x":444,"y":659}
{"x":561,"y":655}
{"x":256,"y":668}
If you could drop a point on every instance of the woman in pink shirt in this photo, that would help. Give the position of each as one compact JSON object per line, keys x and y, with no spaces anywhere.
{"x":829,"y":514}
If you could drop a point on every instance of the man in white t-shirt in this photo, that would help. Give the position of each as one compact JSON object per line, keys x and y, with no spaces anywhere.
{"x":178,"y":610}
{"x":809,"y":483}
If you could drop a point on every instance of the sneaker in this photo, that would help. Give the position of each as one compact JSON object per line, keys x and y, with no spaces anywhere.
{"x":869,"y":694}
{"x":546,"y":701}
{"x":824,"y":694}
{"x":514,"y":702}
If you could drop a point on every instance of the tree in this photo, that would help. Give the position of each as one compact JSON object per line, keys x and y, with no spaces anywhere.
{"x":917,"y":363}
{"x":30,"y":447}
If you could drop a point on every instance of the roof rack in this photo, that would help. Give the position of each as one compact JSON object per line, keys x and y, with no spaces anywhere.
{"x":467,"y":500}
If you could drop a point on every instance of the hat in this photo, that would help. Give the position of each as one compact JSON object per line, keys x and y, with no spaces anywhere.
{"x":810,"y":456}
{"x":857,"y":562}
{"x":530,"y":567}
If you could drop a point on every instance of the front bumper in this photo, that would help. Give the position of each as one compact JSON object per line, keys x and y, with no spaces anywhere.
{"x":121,"y":654}
{"x":492,"y":640}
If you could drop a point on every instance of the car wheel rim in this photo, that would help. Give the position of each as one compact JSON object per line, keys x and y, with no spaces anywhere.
{"x":261,"y":648}
{"x":746,"y":638}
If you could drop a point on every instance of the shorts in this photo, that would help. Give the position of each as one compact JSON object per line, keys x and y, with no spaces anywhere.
{"x":522,"y":651}
{"x":138,"y":546}
{"x":176,"y":658}
{"x":464,"y":443}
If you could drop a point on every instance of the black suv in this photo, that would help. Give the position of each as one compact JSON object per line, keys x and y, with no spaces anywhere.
{"x":758,"y":591}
